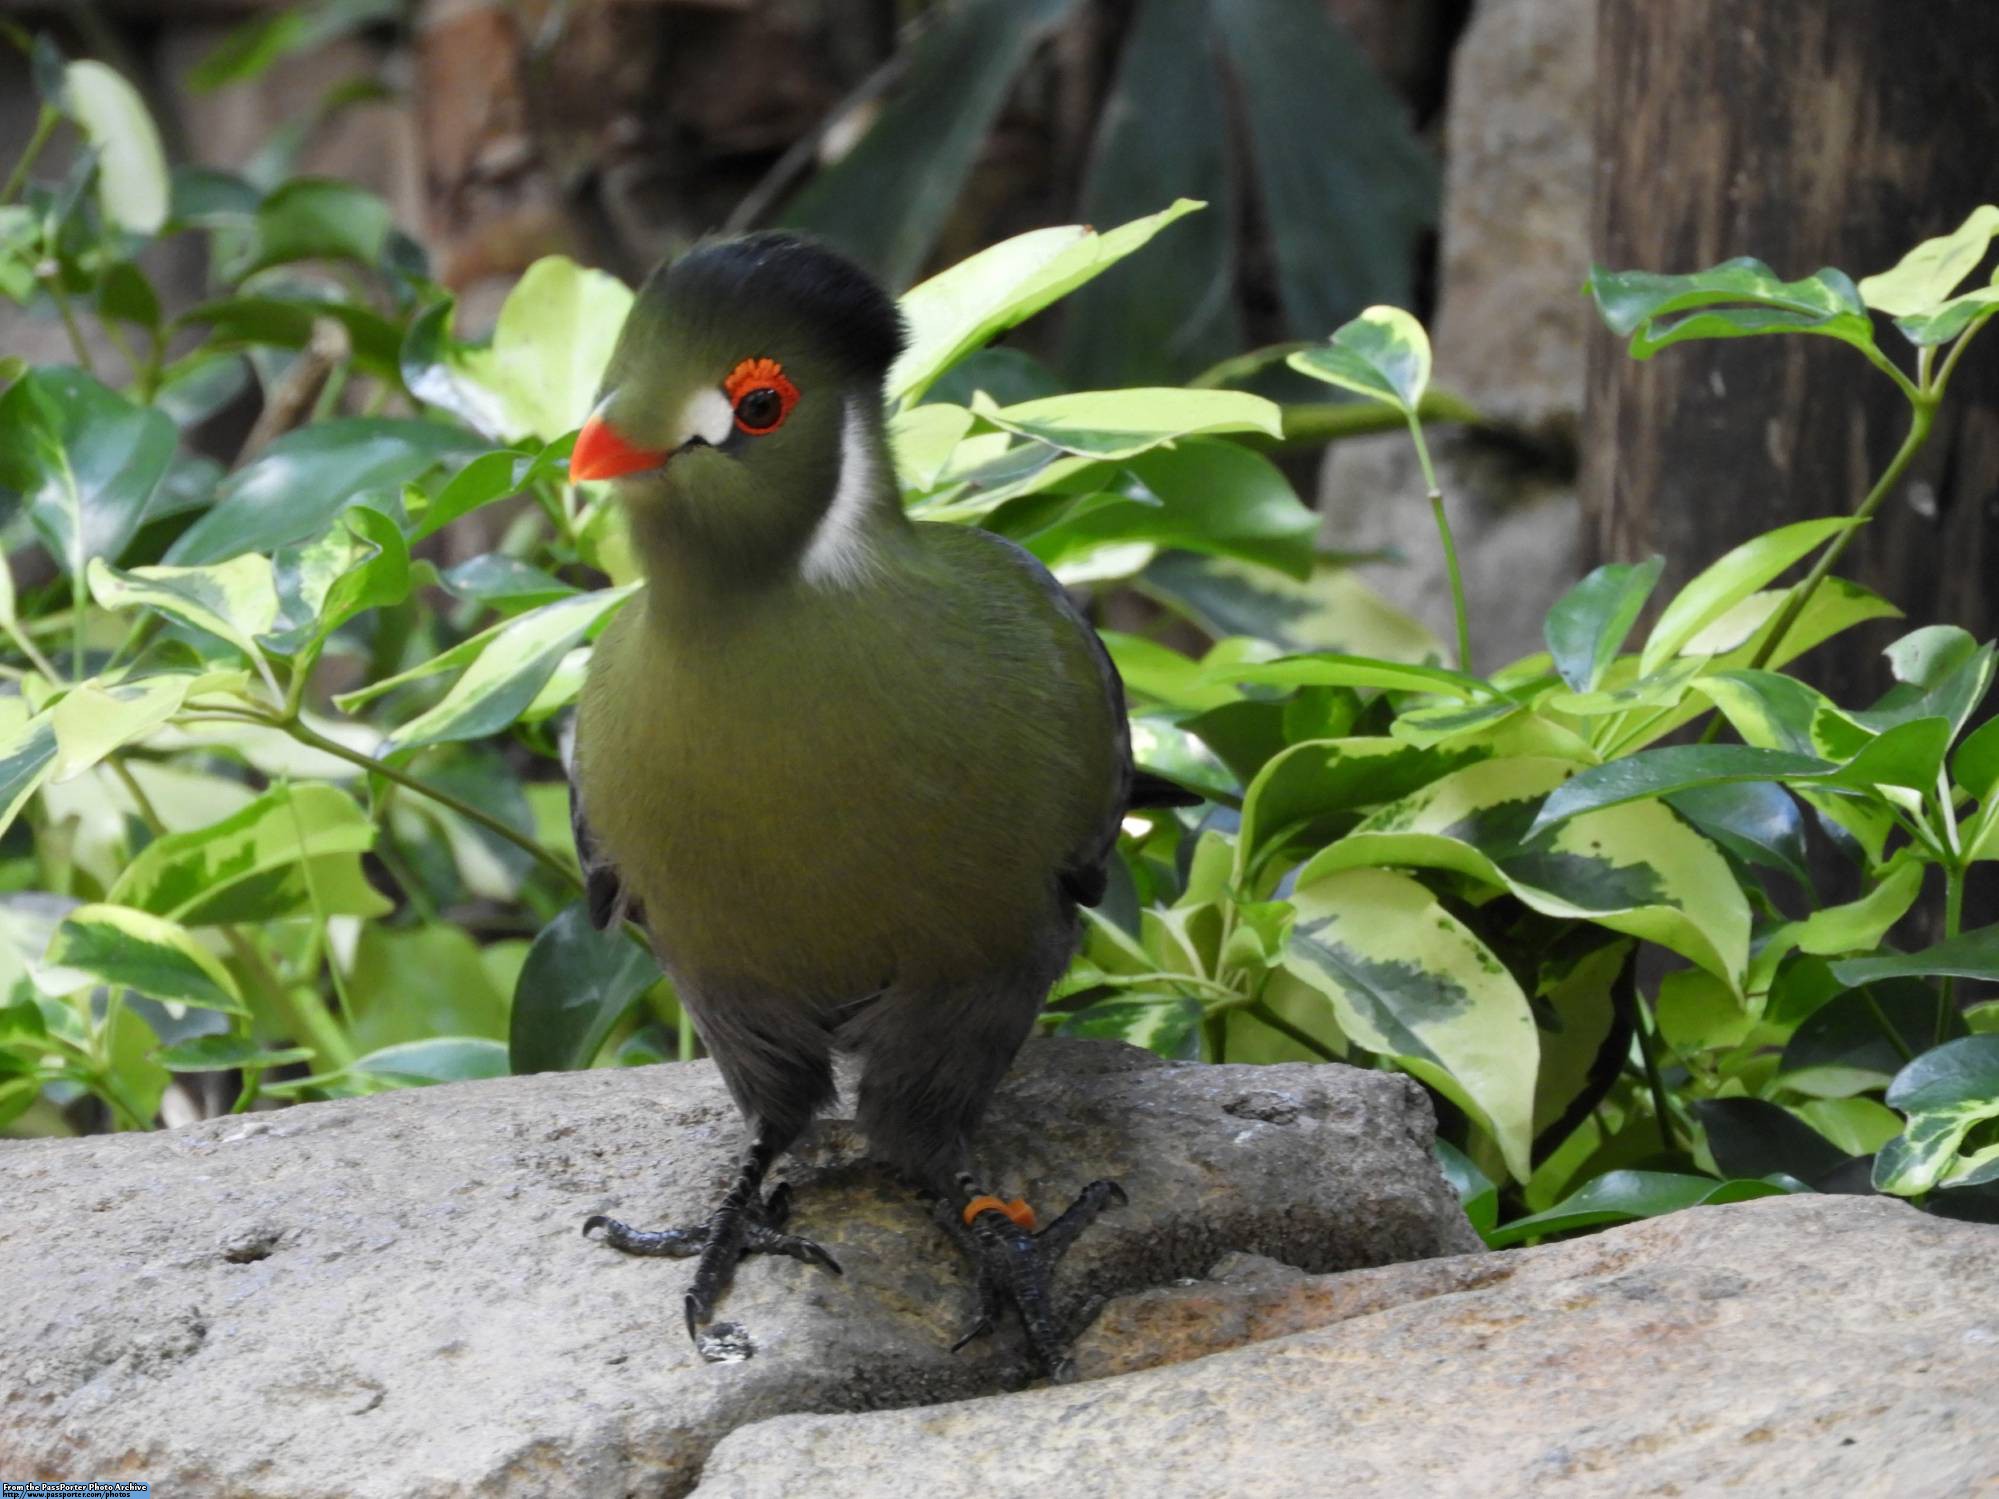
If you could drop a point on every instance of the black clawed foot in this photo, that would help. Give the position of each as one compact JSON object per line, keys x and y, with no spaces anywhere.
{"x":1016,"y":1267}
{"x":743,"y":1224}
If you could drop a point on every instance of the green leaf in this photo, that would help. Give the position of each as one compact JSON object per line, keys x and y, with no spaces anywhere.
{"x":301,"y":483}
{"x":1477,"y":1194}
{"x":1345,"y":189}
{"x":1940,"y":672}
{"x":1587,"y":626}
{"x":1451,"y":721}
{"x":1727,"y":582}
{"x":1125,"y":423}
{"x":263,"y":863}
{"x":441,"y":1059}
{"x":1677,"y":767}
{"x":1202,"y":495}
{"x":1698,"y":1012}
{"x":1862,"y":923}
{"x":1624,"y":1197}
{"x":1756,"y":821}
{"x":1332,"y":611}
{"x":227,"y":1053}
{"x":27,"y":756}
{"x":889,"y":196}
{"x":1409,"y":980}
{"x":1975,"y":766}
{"x":413,"y":983}
{"x":130,"y":949}
{"x":505,"y":583}
{"x":124,"y":293}
{"x":235,"y":601}
{"x":1946,"y":1094}
{"x":922,"y":438}
{"x":249,"y":49}
{"x":1737,"y":299}
{"x":131,"y":163}
{"x":1383,"y":354}
{"x":1310,"y":781}
{"x":1664,"y":688}
{"x":1950,"y":320}
{"x":1634,"y":869}
{"x":1973,"y":955}
{"x":291,"y":322}
{"x":85,"y":461}
{"x":1164,"y":1023}
{"x":576,"y":984}
{"x":94,"y":718}
{"x":1329,"y":669}
{"x":549,"y":349}
{"x":962,"y":308}
{"x":361,"y":563}
{"x":312,"y":218}
{"x":1922,"y":279}
{"x":512,"y":665}
{"x":491,"y":476}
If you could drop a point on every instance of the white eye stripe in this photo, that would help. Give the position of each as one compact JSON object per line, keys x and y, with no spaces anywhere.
{"x":707,"y":415}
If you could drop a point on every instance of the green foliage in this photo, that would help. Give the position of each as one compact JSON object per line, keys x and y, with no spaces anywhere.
{"x":280,"y":800}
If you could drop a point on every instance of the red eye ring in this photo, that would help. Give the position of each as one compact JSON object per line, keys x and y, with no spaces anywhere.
{"x":750,"y":383}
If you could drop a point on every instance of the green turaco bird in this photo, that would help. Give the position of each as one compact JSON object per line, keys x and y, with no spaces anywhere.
{"x":854,"y":774}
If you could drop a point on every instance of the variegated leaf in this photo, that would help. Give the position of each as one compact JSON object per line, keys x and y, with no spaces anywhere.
{"x":294,"y":849}
{"x":131,"y":949}
{"x":1410,"y":981}
{"x":1635,"y":868}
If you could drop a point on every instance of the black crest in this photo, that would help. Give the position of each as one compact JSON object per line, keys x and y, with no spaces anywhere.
{"x":803,"y":281}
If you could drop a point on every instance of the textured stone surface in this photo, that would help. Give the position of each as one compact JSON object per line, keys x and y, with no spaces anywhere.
{"x":1520,"y":158}
{"x":390,"y":1296}
{"x":1807,"y":1346}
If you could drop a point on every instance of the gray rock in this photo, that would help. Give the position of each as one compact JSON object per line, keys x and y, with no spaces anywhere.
{"x":390,"y":1296}
{"x":1520,"y":163}
{"x":1806,"y":1346}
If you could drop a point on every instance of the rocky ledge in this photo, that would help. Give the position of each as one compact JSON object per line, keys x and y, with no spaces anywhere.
{"x":391,"y":1297}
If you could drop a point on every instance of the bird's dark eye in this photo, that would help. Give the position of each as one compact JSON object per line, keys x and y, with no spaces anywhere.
{"x":760,"y":395}
{"x":760,"y":410}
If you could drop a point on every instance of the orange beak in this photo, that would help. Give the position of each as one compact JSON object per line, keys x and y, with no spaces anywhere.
{"x":602,"y":452}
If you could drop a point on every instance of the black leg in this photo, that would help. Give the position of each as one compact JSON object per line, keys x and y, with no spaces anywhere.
{"x":1016,"y":1266}
{"x":746,"y":1222}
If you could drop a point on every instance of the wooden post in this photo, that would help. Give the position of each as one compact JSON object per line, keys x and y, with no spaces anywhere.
{"x":1805,"y":133}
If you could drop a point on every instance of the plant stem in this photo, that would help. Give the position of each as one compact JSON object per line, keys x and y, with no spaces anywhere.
{"x":1953,"y":923}
{"x":1262,"y":1011}
{"x":1648,"y":1050}
{"x":26,"y":645}
{"x":68,"y":315}
{"x":1922,"y":417}
{"x":45,"y":125}
{"x":1215,"y":1032}
{"x":1887,"y":1027}
{"x":1450,"y":544}
{"x":499,"y":829}
{"x":309,"y":1021}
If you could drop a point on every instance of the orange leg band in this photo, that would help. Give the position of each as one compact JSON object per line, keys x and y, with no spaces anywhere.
{"x":1017,"y":1210}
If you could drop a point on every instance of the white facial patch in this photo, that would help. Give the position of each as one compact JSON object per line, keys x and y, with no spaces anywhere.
{"x":707,"y":415}
{"x":839,"y":554}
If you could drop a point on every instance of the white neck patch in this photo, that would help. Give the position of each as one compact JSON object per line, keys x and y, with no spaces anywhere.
{"x":839,"y":554}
